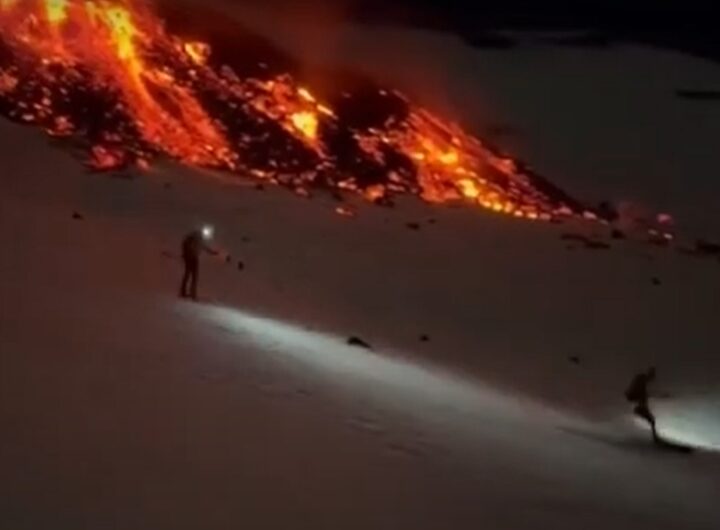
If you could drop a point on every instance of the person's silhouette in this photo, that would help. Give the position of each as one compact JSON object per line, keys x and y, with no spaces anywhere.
{"x":193,"y":245}
{"x":638,"y":393}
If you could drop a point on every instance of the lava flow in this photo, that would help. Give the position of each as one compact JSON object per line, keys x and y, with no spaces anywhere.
{"x":111,"y":77}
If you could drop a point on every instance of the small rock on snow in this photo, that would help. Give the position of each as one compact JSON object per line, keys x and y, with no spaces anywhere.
{"x":357,"y":341}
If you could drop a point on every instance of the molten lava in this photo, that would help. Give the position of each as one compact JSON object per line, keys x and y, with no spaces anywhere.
{"x":109,"y":75}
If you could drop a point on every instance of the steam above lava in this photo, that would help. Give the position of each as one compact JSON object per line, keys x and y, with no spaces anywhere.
{"x":111,"y":77}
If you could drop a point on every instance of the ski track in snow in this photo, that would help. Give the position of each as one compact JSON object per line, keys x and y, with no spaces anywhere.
{"x":122,"y":407}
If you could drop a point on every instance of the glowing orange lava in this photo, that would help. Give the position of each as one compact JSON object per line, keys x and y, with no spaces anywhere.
{"x":161,"y":95}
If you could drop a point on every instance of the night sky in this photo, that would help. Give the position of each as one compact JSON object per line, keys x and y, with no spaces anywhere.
{"x":686,"y":25}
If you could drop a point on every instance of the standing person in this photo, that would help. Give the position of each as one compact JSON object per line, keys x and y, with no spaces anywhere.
{"x":194,"y":244}
{"x":638,"y":393}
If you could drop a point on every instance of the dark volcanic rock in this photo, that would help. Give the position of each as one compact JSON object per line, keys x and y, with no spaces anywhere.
{"x":78,"y":216}
{"x":699,"y":95}
{"x":358,"y":342}
{"x":707,"y":248}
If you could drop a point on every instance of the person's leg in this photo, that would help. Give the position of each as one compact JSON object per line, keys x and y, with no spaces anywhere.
{"x":185,"y":280}
{"x":194,"y":278}
{"x":643,"y":411}
{"x":651,"y":420}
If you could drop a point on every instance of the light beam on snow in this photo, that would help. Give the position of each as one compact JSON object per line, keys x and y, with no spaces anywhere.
{"x":691,"y":421}
{"x":391,"y":378}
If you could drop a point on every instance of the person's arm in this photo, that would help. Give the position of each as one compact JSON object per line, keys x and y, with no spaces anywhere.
{"x":220,"y":254}
{"x":210,"y":250}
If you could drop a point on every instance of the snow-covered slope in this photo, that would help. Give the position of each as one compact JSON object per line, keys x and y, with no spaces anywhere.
{"x":122,"y":407}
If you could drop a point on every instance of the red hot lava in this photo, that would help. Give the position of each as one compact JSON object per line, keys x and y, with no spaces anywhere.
{"x":108,"y":74}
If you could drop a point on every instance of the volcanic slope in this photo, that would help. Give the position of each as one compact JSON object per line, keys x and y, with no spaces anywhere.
{"x":492,"y":394}
{"x":123,"y":406}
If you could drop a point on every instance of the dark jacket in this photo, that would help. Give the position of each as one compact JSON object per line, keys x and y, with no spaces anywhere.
{"x":638,"y":389}
{"x":193,"y":245}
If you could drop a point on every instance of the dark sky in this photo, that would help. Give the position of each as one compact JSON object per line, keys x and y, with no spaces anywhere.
{"x":688,"y":25}
{"x":641,"y":12}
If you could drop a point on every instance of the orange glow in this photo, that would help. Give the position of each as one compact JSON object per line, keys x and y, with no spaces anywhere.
{"x":344,"y":211}
{"x":56,"y":11}
{"x":306,"y":122}
{"x":160,"y":85}
{"x":199,"y":52}
{"x":306,"y":95}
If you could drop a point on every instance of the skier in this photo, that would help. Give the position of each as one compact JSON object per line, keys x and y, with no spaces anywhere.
{"x":193,"y":245}
{"x":638,"y":393}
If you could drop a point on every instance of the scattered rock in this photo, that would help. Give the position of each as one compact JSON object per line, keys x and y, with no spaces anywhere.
{"x":228,"y":259}
{"x":413,"y":226}
{"x":424,"y":338}
{"x":245,"y":239}
{"x":699,"y":95}
{"x":574,"y":359}
{"x":432,"y":221}
{"x":358,"y":342}
{"x":707,"y":248}
{"x":241,"y":266}
{"x":78,"y":216}
{"x":656,"y":281}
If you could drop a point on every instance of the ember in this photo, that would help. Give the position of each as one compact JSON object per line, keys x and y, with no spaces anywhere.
{"x":110,"y":75}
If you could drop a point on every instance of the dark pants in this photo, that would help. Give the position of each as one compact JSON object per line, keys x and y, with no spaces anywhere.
{"x":188,"y":287}
{"x":642,"y":410}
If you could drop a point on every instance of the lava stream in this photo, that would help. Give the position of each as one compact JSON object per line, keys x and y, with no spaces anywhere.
{"x":108,"y":74}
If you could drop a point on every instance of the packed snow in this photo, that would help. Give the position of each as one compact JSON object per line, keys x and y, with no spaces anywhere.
{"x":123,"y":407}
